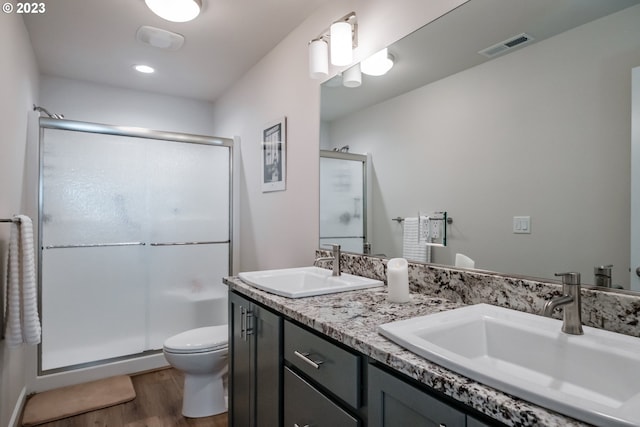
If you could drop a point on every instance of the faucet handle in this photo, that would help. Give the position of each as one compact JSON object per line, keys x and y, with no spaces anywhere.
{"x":333,"y":246}
{"x":570,"y":278}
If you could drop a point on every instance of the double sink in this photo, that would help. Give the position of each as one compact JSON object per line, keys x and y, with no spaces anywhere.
{"x":593,"y":377}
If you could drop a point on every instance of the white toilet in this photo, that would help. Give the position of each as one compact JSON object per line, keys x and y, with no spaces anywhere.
{"x":202,"y":355}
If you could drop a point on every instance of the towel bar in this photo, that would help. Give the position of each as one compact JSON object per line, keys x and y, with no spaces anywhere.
{"x":9,"y":219}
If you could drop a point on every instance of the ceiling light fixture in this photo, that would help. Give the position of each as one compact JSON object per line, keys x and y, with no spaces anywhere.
{"x":175,"y":10}
{"x":378,"y":64}
{"x":145,"y":69}
{"x":339,"y":40}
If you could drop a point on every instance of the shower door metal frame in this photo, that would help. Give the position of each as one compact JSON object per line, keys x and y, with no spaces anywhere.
{"x":362,"y":158}
{"x":126,"y":131}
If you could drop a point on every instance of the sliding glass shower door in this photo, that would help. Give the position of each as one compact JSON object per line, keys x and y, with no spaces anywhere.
{"x":343,"y":205}
{"x":135,"y":239}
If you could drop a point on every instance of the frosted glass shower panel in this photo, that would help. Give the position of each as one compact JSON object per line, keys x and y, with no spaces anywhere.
{"x":92,"y":188}
{"x":186,"y":289}
{"x":93,"y":304}
{"x":189,"y":192}
{"x":341,"y":199}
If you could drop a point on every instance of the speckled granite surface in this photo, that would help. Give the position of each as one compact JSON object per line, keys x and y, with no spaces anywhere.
{"x":352,"y":318}
{"x":614,"y":311}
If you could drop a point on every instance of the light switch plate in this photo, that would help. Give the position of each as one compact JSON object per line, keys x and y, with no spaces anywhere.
{"x":522,"y":224}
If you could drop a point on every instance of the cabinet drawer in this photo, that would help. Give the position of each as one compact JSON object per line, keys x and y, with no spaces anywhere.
{"x":334,"y":368}
{"x":306,"y":406}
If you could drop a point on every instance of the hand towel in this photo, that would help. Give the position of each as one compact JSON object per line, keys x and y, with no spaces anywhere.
{"x":412,"y":248}
{"x":22,"y":320}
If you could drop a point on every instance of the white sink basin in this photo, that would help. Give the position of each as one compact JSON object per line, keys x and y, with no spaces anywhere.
{"x":593,"y":377}
{"x":305,"y":281}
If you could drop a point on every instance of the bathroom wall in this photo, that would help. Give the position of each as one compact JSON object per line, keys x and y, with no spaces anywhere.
{"x":19,"y":89}
{"x":280,"y":229}
{"x":92,"y":102}
{"x":577,"y":105}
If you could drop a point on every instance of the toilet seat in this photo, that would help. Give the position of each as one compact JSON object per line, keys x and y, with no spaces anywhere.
{"x":200,"y":340}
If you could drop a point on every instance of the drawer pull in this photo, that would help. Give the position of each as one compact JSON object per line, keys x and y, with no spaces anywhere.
{"x":305,"y":357}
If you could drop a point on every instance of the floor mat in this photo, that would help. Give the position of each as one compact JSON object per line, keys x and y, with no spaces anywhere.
{"x":77,"y":399}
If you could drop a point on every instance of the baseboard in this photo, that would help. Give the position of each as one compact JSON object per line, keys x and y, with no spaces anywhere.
{"x":14,"y":421}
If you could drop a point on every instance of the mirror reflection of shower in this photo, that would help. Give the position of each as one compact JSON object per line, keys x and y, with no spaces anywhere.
{"x":343,"y":199}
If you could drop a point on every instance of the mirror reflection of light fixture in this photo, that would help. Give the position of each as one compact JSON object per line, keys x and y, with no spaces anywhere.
{"x":377,"y":64}
{"x":343,"y":38}
{"x":175,"y":10}
{"x":352,"y":77}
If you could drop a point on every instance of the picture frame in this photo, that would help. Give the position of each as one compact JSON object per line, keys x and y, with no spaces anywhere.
{"x":273,"y":153}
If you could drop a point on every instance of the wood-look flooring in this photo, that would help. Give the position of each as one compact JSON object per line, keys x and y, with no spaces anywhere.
{"x":158,"y":403}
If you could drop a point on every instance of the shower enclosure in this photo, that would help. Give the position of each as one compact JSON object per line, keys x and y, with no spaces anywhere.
{"x":343,"y":201}
{"x":134,"y":239}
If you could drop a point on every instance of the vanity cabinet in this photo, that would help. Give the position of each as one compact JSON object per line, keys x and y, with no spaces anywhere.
{"x":284,"y":374}
{"x":304,"y":405}
{"x":322,"y":381}
{"x":393,"y":402}
{"x":255,"y":365}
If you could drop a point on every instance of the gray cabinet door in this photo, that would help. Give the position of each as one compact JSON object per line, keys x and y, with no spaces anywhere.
{"x":240,"y":393}
{"x":255,"y":383}
{"x":392,"y":403}
{"x":268,"y":362}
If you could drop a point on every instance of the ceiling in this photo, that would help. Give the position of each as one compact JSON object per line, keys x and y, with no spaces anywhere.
{"x":95,"y":40}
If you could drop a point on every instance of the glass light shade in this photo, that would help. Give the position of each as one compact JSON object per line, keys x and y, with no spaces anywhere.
{"x":145,"y":69}
{"x":377,"y":64}
{"x":175,"y":10}
{"x":318,"y":59}
{"x":352,"y":77}
{"x":341,"y":43}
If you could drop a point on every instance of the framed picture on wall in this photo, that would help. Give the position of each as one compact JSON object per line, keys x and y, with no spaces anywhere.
{"x":274,"y":155}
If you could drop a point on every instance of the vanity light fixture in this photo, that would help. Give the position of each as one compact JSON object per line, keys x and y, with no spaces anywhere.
{"x":339,"y":40}
{"x":352,"y":77}
{"x":175,"y":10}
{"x":318,"y":59}
{"x":378,"y":64}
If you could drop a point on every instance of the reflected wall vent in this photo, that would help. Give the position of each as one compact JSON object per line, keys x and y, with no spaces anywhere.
{"x":506,"y":45}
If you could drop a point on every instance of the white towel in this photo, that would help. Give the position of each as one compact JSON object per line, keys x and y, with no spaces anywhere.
{"x":413,"y":249}
{"x":22,"y":320}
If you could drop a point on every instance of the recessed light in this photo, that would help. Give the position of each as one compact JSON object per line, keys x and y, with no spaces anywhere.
{"x":144,"y":69}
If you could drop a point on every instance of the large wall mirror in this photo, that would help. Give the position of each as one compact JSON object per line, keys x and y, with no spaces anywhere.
{"x":538,"y":130}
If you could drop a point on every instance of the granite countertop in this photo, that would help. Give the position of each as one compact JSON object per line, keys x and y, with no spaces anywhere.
{"x":352,"y":317}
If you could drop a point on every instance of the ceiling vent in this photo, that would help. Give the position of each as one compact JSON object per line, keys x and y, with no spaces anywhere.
{"x":157,"y":37}
{"x":506,"y":45}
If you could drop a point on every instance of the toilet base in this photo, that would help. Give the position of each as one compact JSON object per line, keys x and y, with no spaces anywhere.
{"x":203,"y":396}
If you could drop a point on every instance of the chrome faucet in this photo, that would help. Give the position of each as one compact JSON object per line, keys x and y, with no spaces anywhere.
{"x":337,"y":268}
{"x":570,"y":301}
{"x":602,"y":275}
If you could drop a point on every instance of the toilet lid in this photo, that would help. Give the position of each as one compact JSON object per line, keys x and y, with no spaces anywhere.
{"x":198,"y":340}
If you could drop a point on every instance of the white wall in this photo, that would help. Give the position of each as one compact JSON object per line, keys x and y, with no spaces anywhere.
{"x":567,"y":97}
{"x":19,"y":87}
{"x":91,"y":102}
{"x":280,"y":229}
